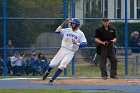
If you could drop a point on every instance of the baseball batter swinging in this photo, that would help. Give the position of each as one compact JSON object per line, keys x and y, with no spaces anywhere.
{"x":73,"y":38}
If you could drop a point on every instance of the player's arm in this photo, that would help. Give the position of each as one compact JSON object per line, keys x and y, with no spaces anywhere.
{"x":83,"y":41}
{"x":82,"y":44}
{"x":61,"y":26}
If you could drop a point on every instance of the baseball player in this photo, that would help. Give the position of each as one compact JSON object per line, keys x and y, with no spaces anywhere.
{"x":73,"y":38}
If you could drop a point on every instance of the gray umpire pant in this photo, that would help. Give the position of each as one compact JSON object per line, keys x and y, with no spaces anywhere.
{"x":108,"y":52}
{"x":135,"y":63}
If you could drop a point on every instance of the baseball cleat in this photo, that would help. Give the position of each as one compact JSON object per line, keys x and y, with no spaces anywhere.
{"x":114,"y":77}
{"x":50,"y":82}
{"x":104,"y":78}
{"x":45,"y":76}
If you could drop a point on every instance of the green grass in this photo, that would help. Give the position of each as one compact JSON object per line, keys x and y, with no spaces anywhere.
{"x":57,"y":91}
{"x":84,"y":69}
{"x":90,"y":70}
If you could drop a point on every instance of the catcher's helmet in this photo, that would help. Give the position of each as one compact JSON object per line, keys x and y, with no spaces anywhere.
{"x":75,"y":21}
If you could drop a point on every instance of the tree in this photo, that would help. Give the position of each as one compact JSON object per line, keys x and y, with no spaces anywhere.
{"x":24,"y":32}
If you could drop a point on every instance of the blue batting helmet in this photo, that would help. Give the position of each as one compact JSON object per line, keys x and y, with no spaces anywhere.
{"x":75,"y":21}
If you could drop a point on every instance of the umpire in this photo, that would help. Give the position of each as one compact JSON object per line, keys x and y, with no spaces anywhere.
{"x":105,"y":36}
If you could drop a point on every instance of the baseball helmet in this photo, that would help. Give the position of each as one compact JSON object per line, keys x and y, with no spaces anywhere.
{"x":75,"y":21}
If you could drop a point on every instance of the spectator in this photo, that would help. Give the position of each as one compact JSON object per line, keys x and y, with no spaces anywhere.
{"x":43,"y":62}
{"x":32,"y":65}
{"x":135,"y":48}
{"x":1,"y":66}
{"x":16,"y":64}
{"x":10,"y":47}
{"x":10,"y":53}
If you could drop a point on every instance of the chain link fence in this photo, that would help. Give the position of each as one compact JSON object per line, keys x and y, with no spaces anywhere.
{"x":30,"y":26}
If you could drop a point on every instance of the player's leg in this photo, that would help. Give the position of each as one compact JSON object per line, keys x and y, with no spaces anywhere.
{"x":55,"y":61}
{"x":57,"y":73}
{"x":45,"y":75}
{"x":66,"y":60}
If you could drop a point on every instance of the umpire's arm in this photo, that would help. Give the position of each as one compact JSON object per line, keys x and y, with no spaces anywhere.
{"x":97,"y":40}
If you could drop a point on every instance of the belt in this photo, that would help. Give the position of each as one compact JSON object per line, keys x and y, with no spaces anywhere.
{"x":67,"y":48}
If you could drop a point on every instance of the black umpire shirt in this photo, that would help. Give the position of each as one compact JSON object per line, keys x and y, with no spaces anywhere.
{"x":105,"y":35}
